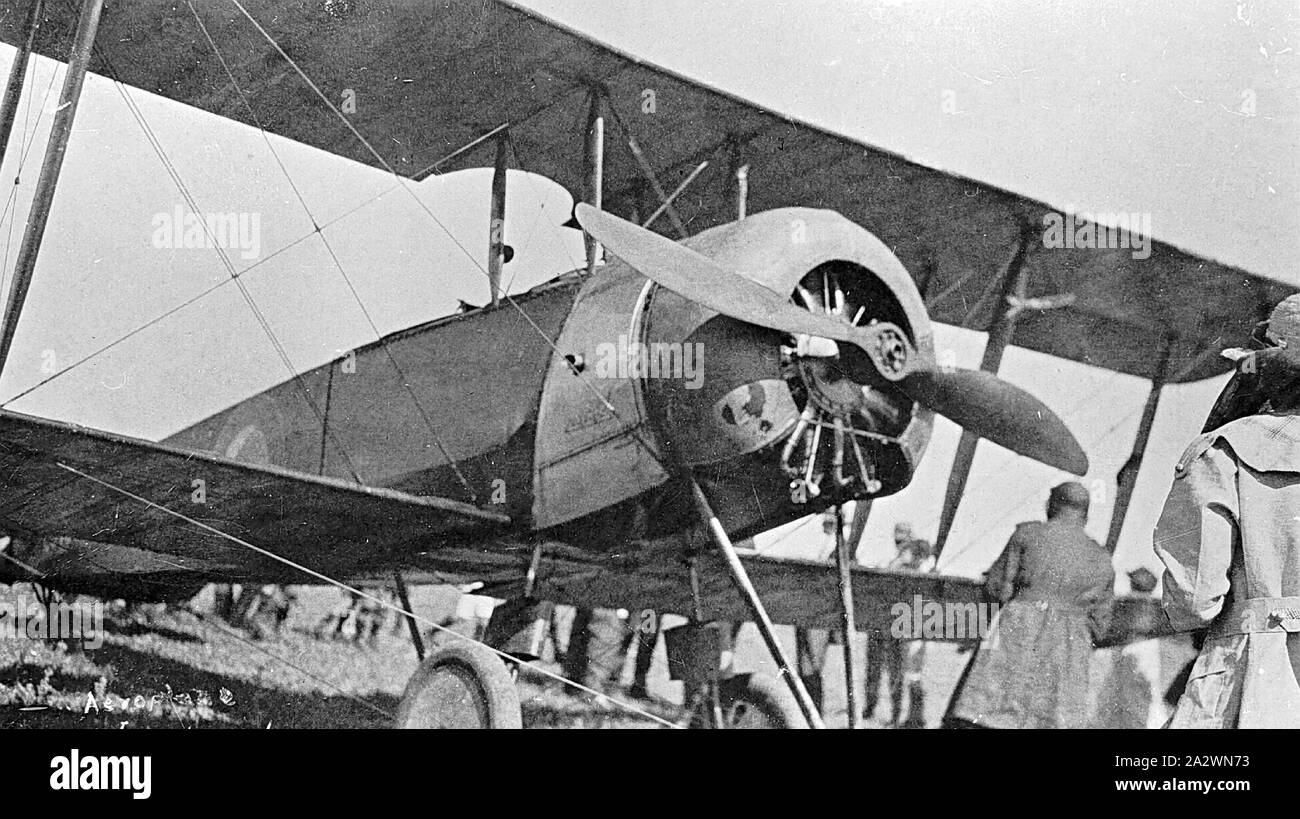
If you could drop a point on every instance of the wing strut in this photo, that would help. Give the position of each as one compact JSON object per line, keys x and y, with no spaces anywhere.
{"x":1126,"y":480}
{"x":497,"y":224}
{"x":83,"y":42}
{"x":750,"y":595}
{"x":594,"y":159}
{"x":1000,"y":332}
{"x":844,"y":550}
{"x":404,"y":597}
{"x":17,"y":74}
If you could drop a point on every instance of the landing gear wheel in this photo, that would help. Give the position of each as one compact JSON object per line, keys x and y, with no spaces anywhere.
{"x":462,"y":685}
{"x":758,"y":701}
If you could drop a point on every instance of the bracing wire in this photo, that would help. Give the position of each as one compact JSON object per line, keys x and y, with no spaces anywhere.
{"x":406,"y":382}
{"x":604,"y":401}
{"x":351,"y":590}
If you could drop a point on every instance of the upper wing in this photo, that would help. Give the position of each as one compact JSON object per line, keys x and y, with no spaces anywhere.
{"x":87,"y":508}
{"x":449,"y":73}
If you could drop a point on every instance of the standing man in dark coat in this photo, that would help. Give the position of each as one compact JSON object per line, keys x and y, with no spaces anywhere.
{"x":1056,"y":584}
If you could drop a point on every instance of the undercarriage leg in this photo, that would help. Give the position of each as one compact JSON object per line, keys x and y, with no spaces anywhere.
{"x":750,"y":596}
{"x":404,"y":597}
{"x":705,"y":683}
{"x":844,"y":559}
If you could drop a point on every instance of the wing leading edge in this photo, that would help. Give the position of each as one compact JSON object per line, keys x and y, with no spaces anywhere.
{"x":805,"y":593}
{"x":481,"y":66}
{"x":84,"y":507}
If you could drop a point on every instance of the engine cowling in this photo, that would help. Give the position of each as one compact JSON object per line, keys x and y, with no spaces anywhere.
{"x":755,"y":389}
{"x":736,"y":401}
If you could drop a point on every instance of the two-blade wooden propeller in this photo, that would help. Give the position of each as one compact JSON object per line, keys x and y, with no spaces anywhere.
{"x":975,"y":400}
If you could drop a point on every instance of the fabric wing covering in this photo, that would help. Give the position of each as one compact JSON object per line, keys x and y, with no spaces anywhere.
{"x":429,"y":78}
{"x":90,"y":488}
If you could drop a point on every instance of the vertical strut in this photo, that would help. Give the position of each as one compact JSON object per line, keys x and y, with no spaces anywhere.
{"x":1000,"y":332}
{"x":1126,"y":480}
{"x":17,"y":74}
{"x":497,"y":223}
{"x":740,"y":177}
{"x":43,"y":198}
{"x":594,"y":155}
{"x":404,"y":597}
{"x":750,"y":595}
{"x":848,"y":621}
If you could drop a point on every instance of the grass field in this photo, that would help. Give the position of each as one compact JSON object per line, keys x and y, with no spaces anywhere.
{"x":168,"y":668}
{"x":172,"y":668}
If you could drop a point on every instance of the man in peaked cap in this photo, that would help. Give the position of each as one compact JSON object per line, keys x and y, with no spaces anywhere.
{"x":1229,"y":536}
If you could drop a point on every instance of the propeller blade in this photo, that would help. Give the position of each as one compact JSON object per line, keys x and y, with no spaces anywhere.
{"x":999,"y":411}
{"x":696,"y":277}
{"x":975,"y":400}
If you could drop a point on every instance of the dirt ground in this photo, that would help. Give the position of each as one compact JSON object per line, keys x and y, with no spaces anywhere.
{"x":162,"y":667}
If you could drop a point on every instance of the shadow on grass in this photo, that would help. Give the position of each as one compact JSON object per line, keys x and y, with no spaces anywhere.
{"x":132,"y":628}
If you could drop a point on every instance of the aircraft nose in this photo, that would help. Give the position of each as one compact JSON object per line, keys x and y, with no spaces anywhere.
{"x":728,"y":399}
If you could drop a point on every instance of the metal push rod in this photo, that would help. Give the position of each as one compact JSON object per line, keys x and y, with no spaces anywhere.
{"x":677,"y":191}
{"x":739,"y":178}
{"x":648,"y":171}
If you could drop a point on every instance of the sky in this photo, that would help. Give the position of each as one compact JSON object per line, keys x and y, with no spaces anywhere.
{"x":1187,"y":115}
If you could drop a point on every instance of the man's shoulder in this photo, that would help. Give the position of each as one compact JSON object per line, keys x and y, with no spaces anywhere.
{"x":1030,"y":532}
{"x":1101,"y":556}
{"x":1266,"y":443}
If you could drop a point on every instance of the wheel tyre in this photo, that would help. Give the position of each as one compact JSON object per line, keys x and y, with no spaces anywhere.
{"x":759,"y":701}
{"x":462,"y":685}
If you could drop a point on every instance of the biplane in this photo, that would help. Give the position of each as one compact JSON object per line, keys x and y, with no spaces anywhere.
{"x":498,"y":445}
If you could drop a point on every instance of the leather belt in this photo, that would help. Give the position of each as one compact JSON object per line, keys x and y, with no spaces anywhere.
{"x":1257,"y":615}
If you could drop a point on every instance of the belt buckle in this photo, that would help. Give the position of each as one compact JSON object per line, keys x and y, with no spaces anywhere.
{"x":1287,"y":619}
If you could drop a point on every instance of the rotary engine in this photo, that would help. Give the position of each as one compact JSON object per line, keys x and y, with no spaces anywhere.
{"x":790,"y":402}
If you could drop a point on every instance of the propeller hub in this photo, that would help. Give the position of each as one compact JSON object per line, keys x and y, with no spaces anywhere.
{"x":893,"y":351}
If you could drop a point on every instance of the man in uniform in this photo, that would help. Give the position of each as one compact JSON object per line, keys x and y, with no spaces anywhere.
{"x":884,"y":652}
{"x":1229,"y":537}
{"x":914,"y":555}
{"x":1056,"y":584}
{"x":812,"y":644}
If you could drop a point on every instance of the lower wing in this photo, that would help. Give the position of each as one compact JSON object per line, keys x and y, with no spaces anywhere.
{"x":91,"y":511}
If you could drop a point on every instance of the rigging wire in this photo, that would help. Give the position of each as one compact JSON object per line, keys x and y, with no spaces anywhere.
{"x":400,"y":182}
{"x":383,"y":343}
{"x":184,"y":191}
{"x":234,"y":275}
{"x":222,"y":628}
{"x":188,"y":302}
{"x":351,"y":590}
{"x":574,"y":263}
{"x":22,"y":160}
{"x":634,"y":430}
